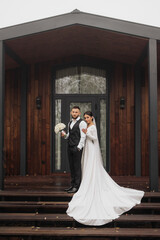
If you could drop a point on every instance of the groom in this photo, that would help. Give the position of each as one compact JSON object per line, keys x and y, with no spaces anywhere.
{"x":76,"y":139}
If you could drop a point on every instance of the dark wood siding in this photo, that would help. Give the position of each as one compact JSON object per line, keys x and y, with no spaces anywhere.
{"x":38,"y":121}
{"x":122,"y":121}
{"x":145,"y":124}
{"x":12,"y":122}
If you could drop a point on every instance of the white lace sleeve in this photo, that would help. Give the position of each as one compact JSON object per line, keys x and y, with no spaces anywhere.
{"x":82,"y":134}
{"x":92,"y":133}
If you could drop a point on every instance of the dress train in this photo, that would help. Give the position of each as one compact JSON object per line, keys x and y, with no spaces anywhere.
{"x":99,"y":199}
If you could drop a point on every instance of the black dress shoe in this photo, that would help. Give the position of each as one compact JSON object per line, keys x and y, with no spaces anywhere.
{"x":67,"y":189}
{"x":73,"y":190}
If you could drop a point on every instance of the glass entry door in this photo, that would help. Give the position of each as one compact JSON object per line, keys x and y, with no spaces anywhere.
{"x":86,"y":87}
{"x":63,"y":109}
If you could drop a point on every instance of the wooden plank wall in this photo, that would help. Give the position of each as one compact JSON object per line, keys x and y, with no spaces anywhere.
{"x":145,"y":123}
{"x":122,"y":121}
{"x":38,"y":121}
{"x":12,"y":122}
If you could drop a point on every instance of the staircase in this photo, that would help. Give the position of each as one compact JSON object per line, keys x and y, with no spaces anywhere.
{"x":40,"y":214}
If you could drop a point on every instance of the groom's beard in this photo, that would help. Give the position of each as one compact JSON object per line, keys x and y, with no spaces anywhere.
{"x":75,"y":117}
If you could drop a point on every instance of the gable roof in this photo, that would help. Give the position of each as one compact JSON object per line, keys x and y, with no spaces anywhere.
{"x":80,"y":18}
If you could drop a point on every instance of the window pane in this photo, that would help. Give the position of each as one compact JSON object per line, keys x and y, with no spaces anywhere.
{"x":93,"y":81}
{"x":84,"y":106}
{"x":57,"y":136}
{"x":67,"y":81}
{"x":81,"y":80}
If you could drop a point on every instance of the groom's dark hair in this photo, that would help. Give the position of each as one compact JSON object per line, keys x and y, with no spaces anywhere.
{"x":76,"y":107}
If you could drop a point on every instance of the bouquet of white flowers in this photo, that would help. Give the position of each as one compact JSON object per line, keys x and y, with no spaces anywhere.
{"x":59,"y":127}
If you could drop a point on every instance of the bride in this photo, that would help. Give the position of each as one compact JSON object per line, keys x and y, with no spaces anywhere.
{"x":99,"y":199}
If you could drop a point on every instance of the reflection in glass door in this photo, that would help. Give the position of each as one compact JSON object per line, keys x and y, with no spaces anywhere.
{"x":58,"y":103}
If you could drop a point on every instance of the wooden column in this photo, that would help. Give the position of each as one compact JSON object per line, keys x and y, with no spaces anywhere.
{"x":153,"y":122}
{"x":137,"y":121}
{"x":24,"y":77}
{"x":2,"y":92}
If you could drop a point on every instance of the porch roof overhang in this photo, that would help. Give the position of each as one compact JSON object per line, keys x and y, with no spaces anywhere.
{"x":82,"y":18}
{"x":77,"y":33}
{"x":76,"y":40}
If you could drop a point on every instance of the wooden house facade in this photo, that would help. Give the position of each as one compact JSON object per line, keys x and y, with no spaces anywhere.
{"x":109,"y":66}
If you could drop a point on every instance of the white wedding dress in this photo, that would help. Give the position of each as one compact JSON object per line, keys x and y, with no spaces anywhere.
{"x":99,"y":199}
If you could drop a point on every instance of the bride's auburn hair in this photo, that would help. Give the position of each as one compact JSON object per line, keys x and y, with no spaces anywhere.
{"x":89,"y":113}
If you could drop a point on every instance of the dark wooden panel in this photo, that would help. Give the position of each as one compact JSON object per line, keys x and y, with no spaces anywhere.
{"x":38,"y":121}
{"x":122,"y":121}
{"x":10,"y":63}
{"x":64,"y":42}
{"x":12,"y":122}
{"x":145,"y":125}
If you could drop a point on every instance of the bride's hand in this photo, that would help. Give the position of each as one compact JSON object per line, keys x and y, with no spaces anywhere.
{"x":84,"y":130}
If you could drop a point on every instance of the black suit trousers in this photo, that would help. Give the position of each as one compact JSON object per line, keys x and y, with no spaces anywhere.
{"x":74,"y":157}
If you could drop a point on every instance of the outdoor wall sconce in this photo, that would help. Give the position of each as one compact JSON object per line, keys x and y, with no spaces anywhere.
{"x":38,"y":102}
{"x":122,"y":102}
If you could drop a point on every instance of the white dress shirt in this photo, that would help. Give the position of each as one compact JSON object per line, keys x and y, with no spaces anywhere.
{"x":82,"y":125}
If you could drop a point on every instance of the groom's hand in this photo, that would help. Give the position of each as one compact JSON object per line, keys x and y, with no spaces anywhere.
{"x":63,"y":134}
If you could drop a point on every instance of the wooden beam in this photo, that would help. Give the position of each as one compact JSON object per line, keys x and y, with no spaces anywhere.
{"x":2,"y":92}
{"x":14,"y":56}
{"x":142,"y":57}
{"x":153,"y":122}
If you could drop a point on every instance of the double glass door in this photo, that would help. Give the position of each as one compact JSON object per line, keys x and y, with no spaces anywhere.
{"x":88,"y":91}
